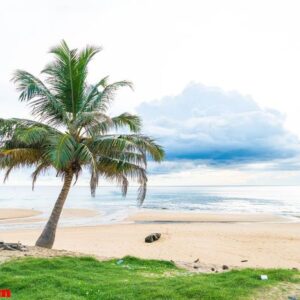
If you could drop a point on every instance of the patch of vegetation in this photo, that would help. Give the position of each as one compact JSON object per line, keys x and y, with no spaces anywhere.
{"x":130,"y":278}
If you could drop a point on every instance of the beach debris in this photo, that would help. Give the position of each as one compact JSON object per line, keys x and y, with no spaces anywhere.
{"x":295,"y":269}
{"x":120,"y":261}
{"x":213,"y":269}
{"x":245,"y":260}
{"x":225,"y":267}
{"x":264,"y":277}
{"x":12,"y":246}
{"x":195,"y":267}
{"x":292,"y":298}
{"x":197,"y":260}
{"x":152,"y":237}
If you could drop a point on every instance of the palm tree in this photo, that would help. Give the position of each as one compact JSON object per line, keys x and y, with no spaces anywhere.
{"x":71,"y":131}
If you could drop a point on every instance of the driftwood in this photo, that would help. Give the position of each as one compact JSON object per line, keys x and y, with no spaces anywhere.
{"x":12,"y":246}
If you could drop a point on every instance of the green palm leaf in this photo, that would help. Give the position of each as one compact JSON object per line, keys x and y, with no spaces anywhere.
{"x":61,"y":150}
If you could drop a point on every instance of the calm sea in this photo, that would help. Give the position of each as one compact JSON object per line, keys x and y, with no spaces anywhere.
{"x":283,"y":200}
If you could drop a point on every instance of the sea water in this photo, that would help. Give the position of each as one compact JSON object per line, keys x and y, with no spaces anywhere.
{"x":280,"y":200}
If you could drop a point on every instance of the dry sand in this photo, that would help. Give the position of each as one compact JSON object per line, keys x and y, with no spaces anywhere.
{"x":215,"y":239}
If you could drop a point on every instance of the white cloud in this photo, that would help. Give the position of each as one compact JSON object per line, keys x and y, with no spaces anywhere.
{"x":205,"y":123}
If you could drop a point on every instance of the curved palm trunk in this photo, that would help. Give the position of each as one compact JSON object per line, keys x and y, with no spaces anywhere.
{"x":47,"y":237}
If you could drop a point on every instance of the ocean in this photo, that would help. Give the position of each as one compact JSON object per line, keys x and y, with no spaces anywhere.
{"x":280,"y":200}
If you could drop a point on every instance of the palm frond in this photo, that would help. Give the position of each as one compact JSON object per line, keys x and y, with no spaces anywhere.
{"x":24,"y":156}
{"x":15,"y":158}
{"x":101,"y":100}
{"x":120,"y":171}
{"x":131,"y":142}
{"x":8,"y":171}
{"x":93,"y":122}
{"x":83,"y":59}
{"x":133,"y":122}
{"x":108,"y":94}
{"x":61,"y":150}
{"x":67,"y":74}
{"x":91,"y":92}
{"x":84,"y":155}
{"x":24,"y":123}
{"x":43,"y":103}
{"x":29,"y":86}
{"x":62,"y":76}
{"x":32,"y":135}
{"x":42,"y":167}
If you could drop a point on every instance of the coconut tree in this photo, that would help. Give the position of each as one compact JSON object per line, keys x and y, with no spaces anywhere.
{"x":72,"y":131}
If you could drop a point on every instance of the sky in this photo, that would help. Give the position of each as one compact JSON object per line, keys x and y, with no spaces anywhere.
{"x":216,"y":82}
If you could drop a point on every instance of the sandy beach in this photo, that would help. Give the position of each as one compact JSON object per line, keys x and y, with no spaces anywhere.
{"x":237,"y":240}
{"x":10,"y":214}
{"x":28,"y":216}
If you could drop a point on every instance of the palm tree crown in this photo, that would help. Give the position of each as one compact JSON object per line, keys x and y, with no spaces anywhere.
{"x":71,"y":129}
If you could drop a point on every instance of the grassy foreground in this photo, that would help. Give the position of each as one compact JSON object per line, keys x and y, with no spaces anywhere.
{"x":86,"y":278}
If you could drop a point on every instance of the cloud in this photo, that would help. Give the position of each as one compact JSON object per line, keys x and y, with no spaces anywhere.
{"x":207,"y":124}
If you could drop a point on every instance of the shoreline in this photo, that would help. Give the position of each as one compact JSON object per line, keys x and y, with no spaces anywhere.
{"x":19,"y":219}
{"x":135,"y":215}
{"x":236,"y":240}
{"x":23,"y":219}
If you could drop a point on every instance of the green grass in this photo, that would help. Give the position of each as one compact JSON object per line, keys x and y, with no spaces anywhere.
{"x":86,"y":278}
